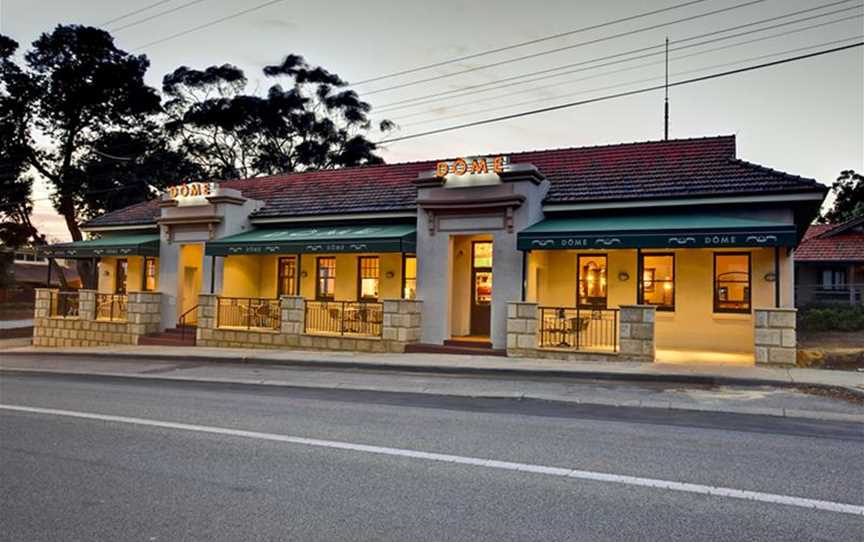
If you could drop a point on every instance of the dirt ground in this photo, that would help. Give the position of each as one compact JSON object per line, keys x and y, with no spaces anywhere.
{"x":831,"y":350}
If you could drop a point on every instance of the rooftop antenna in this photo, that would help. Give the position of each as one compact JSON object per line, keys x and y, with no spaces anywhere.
{"x":666,"y":99}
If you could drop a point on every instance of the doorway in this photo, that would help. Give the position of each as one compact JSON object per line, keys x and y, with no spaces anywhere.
{"x":189,"y":278}
{"x":481,"y":288}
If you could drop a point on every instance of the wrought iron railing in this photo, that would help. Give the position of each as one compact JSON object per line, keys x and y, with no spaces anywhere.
{"x":361,"y":318}
{"x":187,"y":322}
{"x":248,"y":313}
{"x":111,"y":307}
{"x":64,"y":304}
{"x":578,"y":328}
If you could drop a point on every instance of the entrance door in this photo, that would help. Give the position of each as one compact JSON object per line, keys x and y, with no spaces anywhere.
{"x":481,"y":287}
{"x":120,"y":282}
{"x":189,"y":293}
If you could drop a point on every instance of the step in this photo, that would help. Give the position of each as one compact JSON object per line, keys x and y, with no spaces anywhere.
{"x":423,"y":348}
{"x":161,"y":340}
{"x":467,"y":343}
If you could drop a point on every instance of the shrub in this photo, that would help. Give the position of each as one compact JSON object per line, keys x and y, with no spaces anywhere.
{"x":835,"y":318}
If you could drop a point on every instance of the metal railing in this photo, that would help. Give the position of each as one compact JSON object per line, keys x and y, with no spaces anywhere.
{"x":578,"y":329}
{"x":187,"y":320}
{"x":248,"y":313}
{"x":835,"y":294}
{"x":111,"y":307}
{"x":361,"y":318}
{"x":64,"y":304}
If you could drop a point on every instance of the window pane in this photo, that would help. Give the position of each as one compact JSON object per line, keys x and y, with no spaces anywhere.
{"x":326,"y":277}
{"x":151,"y":273}
{"x":122,"y":268}
{"x":287,"y":283}
{"x":410,"y":277}
{"x":483,"y":287}
{"x":732,"y":282}
{"x":592,"y":281}
{"x":483,"y":254}
{"x":369,"y":278}
{"x":658,"y":280}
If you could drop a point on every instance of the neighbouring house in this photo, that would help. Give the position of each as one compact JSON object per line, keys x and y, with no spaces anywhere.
{"x":29,"y":271}
{"x":829,"y":264}
{"x":613,"y":252}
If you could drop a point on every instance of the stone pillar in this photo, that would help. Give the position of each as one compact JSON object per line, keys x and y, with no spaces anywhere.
{"x":43,"y":304}
{"x":87,"y":305}
{"x":521,"y":328}
{"x":774,"y":336}
{"x":207,"y":306}
{"x":144,"y":313}
{"x":636,"y":332}
{"x":293,"y":319}
{"x":401,"y":323}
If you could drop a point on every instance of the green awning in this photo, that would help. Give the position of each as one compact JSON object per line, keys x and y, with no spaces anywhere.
{"x":322,"y":239}
{"x":696,"y":230}
{"x":115,"y":245}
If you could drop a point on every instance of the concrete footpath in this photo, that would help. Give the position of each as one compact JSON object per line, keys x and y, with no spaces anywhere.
{"x":470,"y":376}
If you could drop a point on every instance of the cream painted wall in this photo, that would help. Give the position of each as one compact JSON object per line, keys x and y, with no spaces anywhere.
{"x":693,"y":324}
{"x":108,"y":274}
{"x":460,"y":293}
{"x":257,"y":276}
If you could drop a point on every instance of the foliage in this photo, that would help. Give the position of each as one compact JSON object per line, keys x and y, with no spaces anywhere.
{"x":831,"y":318}
{"x":848,"y":191}
{"x":314,"y":123}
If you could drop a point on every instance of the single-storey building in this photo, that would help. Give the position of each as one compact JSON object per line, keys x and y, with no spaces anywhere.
{"x":829,"y":264}
{"x":606,"y":252}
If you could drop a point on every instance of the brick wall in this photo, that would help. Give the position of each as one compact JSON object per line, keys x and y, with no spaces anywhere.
{"x":635,"y":336}
{"x":85,"y":330}
{"x":401,"y":325}
{"x":774,"y":335}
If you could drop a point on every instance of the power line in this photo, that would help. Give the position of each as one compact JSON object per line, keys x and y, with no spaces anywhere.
{"x":629,"y":68}
{"x":637,"y":81}
{"x":529,"y":42}
{"x":619,"y":95}
{"x":565,"y":48}
{"x":136,"y":12}
{"x":424,"y":99}
{"x":208,"y":24}
{"x":156,"y":15}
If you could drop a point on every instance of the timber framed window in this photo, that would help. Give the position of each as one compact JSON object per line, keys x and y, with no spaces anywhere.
{"x":325,"y":278}
{"x":732,"y":273}
{"x":409,"y":276}
{"x":151,"y":274}
{"x":122,"y":272}
{"x":658,"y":281}
{"x":287,"y":280}
{"x":591,"y":292}
{"x":368,"y":270}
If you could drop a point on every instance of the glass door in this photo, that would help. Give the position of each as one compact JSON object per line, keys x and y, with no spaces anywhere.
{"x":481,"y":287}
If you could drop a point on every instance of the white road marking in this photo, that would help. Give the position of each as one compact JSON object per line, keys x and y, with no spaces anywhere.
{"x":715,"y":491}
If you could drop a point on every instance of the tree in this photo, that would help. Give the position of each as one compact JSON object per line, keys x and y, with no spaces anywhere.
{"x":848,"y":202}
{"x":16,"y":203}
{"x":315,"y":123}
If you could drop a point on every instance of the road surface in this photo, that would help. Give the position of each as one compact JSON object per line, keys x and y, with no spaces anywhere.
{"x":113,"y":459}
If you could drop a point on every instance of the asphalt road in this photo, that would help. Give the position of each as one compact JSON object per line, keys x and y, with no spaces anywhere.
{"x":63,"y":477}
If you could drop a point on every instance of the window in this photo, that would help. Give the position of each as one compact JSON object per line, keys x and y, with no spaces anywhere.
{"x":325,"y":285}
{"x":409,"y":277}
{"x":287,"y":280}
{"x":658,"y":281}
{"x":732,"y":282}
{"x":591,"y":277}
{"x":482,"y":254}
{"x":151,"y":272}
{"x":369,"y":270}
{"x":833,"y":279}
{"x":120,"y":277}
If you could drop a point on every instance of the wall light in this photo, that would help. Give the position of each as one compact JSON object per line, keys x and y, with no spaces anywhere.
{"x":389,"y":274}
{"x":623,"y":276}
{"x":304,"y":273}
{"x":770,"y":277}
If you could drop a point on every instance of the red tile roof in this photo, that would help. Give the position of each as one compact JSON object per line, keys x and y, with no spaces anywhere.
{"x":832,"y":243}
{"x":632,"y":171}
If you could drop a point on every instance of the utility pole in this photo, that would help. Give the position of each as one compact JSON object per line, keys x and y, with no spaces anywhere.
{"x":666,"y":99}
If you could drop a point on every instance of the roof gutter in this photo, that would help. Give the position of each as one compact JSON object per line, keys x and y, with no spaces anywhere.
{"x":807,"y":196}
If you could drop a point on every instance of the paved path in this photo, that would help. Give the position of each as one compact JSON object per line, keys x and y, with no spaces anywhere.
{"x":141,"y":460}
{"x":706,"y":373}
{"x":15,"y":324}
{"x":763,"y":400}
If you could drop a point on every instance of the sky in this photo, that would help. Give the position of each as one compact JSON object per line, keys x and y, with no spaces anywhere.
{"x":805,"y":118}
